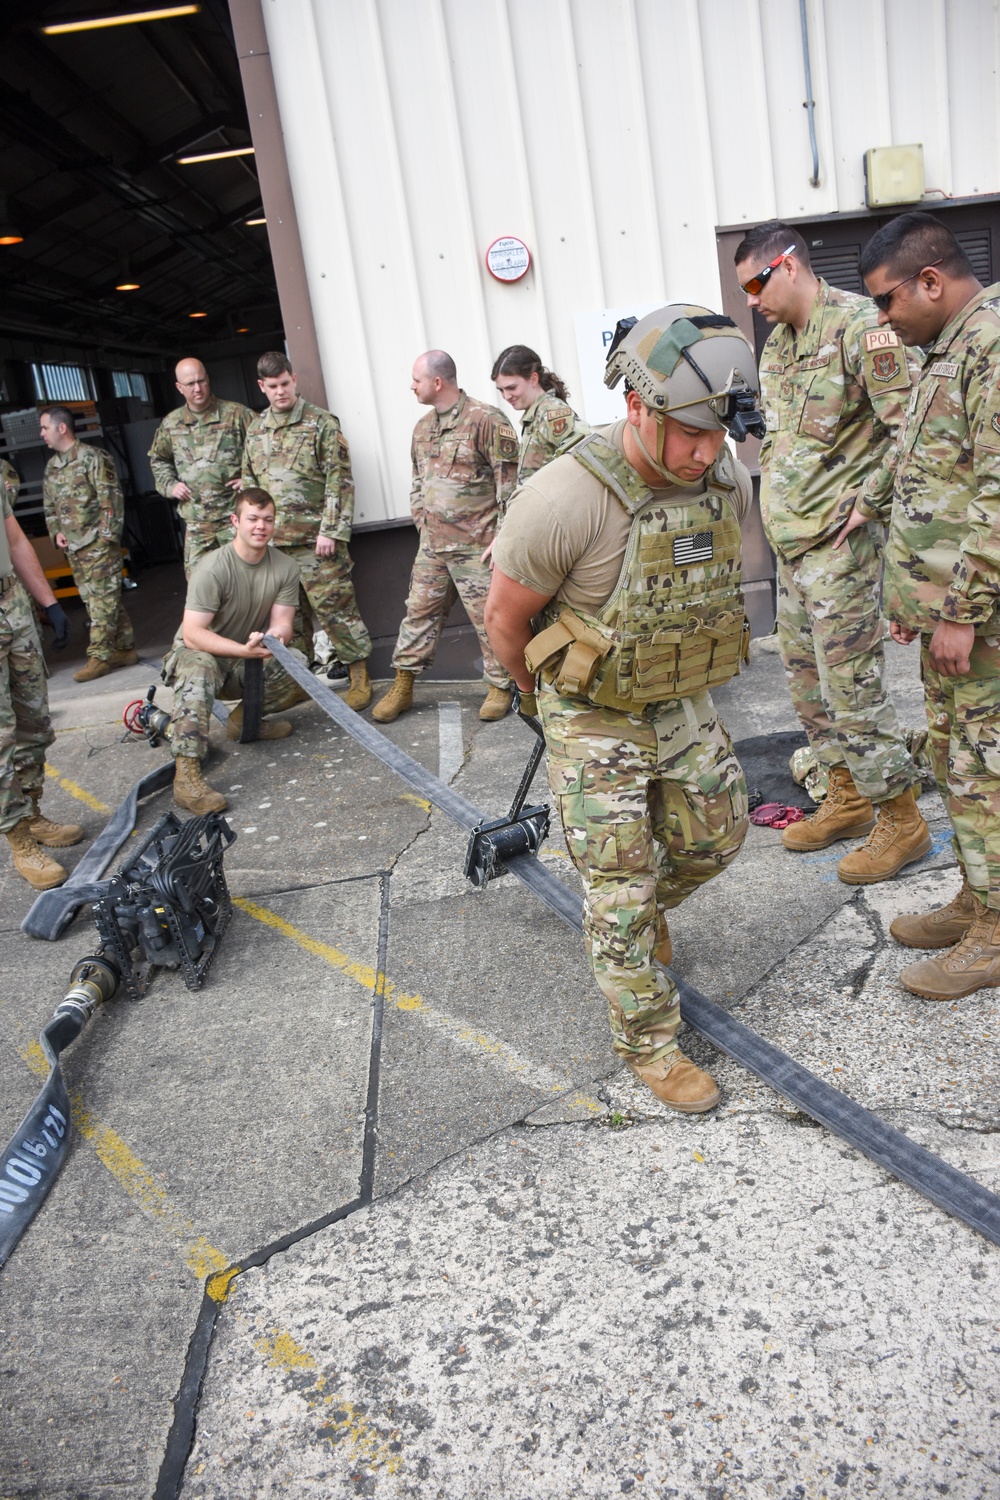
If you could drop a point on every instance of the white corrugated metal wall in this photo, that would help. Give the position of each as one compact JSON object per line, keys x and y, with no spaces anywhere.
{"x":613,"y":136}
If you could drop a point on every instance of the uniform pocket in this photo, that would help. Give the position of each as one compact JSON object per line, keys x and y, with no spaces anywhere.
{"x":984,"y":735}
{"x":604,"y":818}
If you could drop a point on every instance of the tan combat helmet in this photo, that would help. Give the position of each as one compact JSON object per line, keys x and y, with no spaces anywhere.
{"x":687,"y":362}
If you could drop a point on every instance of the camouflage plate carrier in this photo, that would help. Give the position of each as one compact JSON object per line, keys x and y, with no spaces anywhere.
{"x":675,"y":623}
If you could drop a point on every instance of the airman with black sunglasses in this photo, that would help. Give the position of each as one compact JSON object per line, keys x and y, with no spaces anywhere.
{"x":833,"y":384}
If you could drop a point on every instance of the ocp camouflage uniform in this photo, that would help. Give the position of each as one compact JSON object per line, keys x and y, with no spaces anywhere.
{"x":464,"y":470}
{"x":832,"y":396}
{"x":301,"y":458}
{"x":83,"y":500}
{"x":203,"y":450}
{"x":25,"y":729}
{"x":652,"y":798}
{"x":548,"y":428}
{"x":942,"y":487}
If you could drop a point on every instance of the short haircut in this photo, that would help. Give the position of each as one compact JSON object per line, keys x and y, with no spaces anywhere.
{"x":439,"y":364}
{"x":273,"y":364}
{"x":60,"y":415}
{"x":252,"y":496}
{"x":768,"y":240}
{"x":908,"y":243}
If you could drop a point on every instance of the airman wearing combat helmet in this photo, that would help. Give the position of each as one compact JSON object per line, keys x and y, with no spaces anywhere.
{"x":628,"y":549}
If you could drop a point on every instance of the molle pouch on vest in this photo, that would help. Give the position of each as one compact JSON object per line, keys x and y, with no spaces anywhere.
{"x":581,"y":648}
{"x":681,"y":659}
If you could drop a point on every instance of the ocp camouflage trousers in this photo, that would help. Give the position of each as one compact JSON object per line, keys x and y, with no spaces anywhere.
{"x":330,"y":592}
{"x":830,"y":631}
{"x":204,"y":536}
{"x":963,"y":721}
{"x":25,"y":730}
{"x":652,"y":807}
{"x":97,"y":573}
{"x":438,"y":579}
{"x":198,"y":678}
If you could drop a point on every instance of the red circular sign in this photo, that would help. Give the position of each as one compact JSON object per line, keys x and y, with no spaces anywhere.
{"x":508,"y":258}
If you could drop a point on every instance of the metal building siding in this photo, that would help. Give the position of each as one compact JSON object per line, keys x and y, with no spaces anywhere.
{"x":612,"y":136}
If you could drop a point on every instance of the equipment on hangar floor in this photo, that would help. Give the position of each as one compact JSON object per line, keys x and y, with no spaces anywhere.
{"x":167,"y":907}
{"x":522,"y":831}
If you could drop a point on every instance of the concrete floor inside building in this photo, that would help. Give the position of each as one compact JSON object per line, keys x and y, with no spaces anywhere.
{"x":558,"y":1287}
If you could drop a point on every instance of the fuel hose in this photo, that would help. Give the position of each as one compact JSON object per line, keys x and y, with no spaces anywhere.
{"x":953,"y":1191}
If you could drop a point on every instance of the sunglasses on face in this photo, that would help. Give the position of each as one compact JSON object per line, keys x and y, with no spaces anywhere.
{"x":884,"y":299}
{"x":759,"y":282}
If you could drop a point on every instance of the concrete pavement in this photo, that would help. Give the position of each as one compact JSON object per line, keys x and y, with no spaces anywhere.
{"x":551,"y":1285}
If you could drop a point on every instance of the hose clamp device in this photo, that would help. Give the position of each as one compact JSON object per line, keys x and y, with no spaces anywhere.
{"x":522,"y":831}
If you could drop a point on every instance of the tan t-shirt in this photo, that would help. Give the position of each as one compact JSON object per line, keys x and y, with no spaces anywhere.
{"x":238,"y":594}
{"x":564,"y":534}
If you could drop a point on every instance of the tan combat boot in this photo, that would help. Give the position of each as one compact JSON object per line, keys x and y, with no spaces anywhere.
{"x":843,"y":814}
{"x":359,"y":694}
{"x":270,"y":729}
{"x":899,"y":837}
{"x":664,"y":950}
{"x":31,"y":861}
{"x":677,"y":1081}
{"x":92,"y":667}
{"x":974,"y":964}
{"x":123,"y":659}
{"x":397,"y":700}
{"x":191,"y":790}
{"x":942,"y":928}
{"x":496,"y":704}
{"x":52,"y":835}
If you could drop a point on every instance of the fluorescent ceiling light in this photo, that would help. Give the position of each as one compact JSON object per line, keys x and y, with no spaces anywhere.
{"x":165,"y":13}
{"x":256,"y":221}
{"x":217,"y":155}
{"x":198,"y":315}
{"x":127,"y":286}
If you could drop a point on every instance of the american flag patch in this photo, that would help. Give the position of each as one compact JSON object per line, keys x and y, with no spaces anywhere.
{"x":697,"y":547}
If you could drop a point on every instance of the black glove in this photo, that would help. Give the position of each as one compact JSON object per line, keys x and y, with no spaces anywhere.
{"x":59,"y":620}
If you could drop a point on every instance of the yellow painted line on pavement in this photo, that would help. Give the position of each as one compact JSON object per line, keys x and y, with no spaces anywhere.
{"x":417,"y":801}
{"x":136,"y":1182}
{"x":343,"y":1421}
{"x":76,"y":790}
{"x":536,"y":1074}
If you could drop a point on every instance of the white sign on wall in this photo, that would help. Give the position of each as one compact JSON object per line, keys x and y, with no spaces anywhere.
{"x":594,"y":332}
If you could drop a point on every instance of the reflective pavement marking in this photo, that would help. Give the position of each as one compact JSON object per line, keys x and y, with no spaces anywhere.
{"x":536,"y":1075}
{"x":75,"y":790}
{"x":451,"y":751}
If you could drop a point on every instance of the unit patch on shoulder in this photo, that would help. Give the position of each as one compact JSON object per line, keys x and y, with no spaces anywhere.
{"x":558,"y":426}
{"x":885,"y":365}
{"x":508,"y":443}
{"x":880,"y":338}
{"x":995,"y":424}
{"x":945,"y":367}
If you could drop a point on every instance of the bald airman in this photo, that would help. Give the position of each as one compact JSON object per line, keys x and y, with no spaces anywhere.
{"x":197,"y":459}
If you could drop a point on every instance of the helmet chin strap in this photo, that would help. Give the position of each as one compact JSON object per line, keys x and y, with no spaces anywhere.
{"x":657,"y":464}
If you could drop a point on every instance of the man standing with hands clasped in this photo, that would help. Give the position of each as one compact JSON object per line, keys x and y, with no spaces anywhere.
{"x":197,"y":458}
{"x":833,"y":387}
{"x":941,"y":488}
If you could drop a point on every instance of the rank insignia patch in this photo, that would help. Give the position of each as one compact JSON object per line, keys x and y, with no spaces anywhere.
{"x":885,"y":365}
